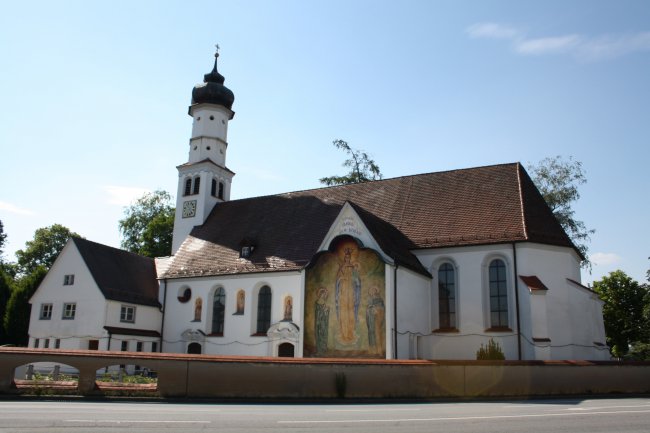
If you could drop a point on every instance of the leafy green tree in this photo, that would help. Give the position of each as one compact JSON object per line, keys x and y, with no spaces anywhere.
{"x":148,"y":225}
{"x":558,"y":181}
{"x":16,"y":317}
{"x":6,"y":287}
{"x":623,"y":311}
{"x":43,"y":249}
{"x":362,"y":167}
{"x":3,"y":238}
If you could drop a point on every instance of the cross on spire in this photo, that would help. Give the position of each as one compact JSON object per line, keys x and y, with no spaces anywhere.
{"x":217,"y":48}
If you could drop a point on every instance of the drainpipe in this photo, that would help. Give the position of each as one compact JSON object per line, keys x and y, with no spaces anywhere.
{"x":395,"y":311}
{"x":514,"y":255}
{"x":110,"y":335}
{"x":162,"y":327}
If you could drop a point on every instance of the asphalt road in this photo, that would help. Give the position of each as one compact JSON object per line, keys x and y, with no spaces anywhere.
{"x":593,"y":415}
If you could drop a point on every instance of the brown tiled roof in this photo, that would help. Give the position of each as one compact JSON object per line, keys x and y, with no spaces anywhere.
{"x":533,"y":282}
{"x":120,"y":275}
{"x":484,"y":205}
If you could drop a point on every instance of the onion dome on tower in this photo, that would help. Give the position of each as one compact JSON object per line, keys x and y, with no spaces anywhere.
{"x":212,"y":90}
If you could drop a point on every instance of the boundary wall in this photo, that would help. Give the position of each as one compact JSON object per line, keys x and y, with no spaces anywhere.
{"x":209,"y":376}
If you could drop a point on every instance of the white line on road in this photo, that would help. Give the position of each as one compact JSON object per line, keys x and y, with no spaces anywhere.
{"x":112,"y":421}
{"x":388,"y":409}
{"x":463,"y":418}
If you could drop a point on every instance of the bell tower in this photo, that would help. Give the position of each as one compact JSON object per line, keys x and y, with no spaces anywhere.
{"x":204,"y":180}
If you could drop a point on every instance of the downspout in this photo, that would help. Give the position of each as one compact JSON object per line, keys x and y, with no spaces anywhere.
{"x":514,"y":255}
{"x":162,"y":328}
{"x":110,"y":335}
{"x":395,"y":311}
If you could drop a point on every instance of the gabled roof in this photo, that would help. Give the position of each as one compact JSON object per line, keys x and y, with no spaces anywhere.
{"x":120,"y":275}
{"x":476,"y":206}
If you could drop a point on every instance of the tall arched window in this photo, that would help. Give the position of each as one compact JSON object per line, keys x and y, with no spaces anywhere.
{"x":263,"y":310}
{"x":220,"y":196}
{"x":197,"y":185}
{"x":447,"y":296}
{"x":498,"y":294}
{"x":218,"y":311}
{"x":188,"y":186}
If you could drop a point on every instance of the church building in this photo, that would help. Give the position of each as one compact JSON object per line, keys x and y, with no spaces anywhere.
{"x":425,"y":266}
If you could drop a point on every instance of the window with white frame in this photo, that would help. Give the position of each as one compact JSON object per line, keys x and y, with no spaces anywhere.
{"x":46,"y":312}
{"x":68,"y":280}
{"x":127,"y":314}
{"x":498,"y":288}
{"x":447,"y":296}
{"x":69,"y":311}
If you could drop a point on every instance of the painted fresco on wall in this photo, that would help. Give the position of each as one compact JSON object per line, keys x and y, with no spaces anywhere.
{"x":241,"y":301}
{"x":345,"y":309}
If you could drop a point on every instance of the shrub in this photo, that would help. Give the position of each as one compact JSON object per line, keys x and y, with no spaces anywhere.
{"x":491,"y":351}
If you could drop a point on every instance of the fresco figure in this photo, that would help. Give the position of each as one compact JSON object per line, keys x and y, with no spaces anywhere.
{"x":348,"y":296}
{"x":322,"y":321}
{"x":241,"y":300}
{"x":375,"y":319}
{"x":198,"y":308}
{"x":288,"y":309}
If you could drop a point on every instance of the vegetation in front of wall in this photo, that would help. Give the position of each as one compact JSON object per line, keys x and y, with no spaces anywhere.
{"x":127,"y":379}
{"x":341,"y":383}
{"x":491,"y":351}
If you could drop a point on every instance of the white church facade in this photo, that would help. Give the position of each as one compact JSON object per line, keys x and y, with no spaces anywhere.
{"x":425,"y":266}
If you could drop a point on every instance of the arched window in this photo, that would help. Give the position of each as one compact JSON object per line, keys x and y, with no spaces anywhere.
{"x":197,"y":185}
{"x":194,"y":348}
{"x":213,"y":188}
{"x":220,"y":196}
{"x":263,"y":310}
{"x":447,"y":296}
{"x":498,"y":294}
{"x":188,"y":186}
{"x":218,"y":311}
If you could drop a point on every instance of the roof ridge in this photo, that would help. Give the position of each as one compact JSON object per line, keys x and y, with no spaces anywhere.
{"x":119,"y":250}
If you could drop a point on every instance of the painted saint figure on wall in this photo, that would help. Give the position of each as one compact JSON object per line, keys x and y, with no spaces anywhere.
{"x":322,"y":321}
{"x":288,"y":309}
{"x":198,"y":308}
{"x":348,"y":296}
{"x":241,"y":301}
{"x":375,"y":321}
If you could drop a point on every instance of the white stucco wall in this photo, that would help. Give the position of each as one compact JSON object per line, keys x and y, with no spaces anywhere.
{"x":413,"y":314}
{"x":238,"y":333}
{"x":90,"y":309}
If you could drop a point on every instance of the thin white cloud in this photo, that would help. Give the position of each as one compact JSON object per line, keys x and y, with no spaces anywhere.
{"x":580,"y":46}
{"x":554,"y":45}
{"x":8,"y":207}
{"x":492,"y":31}
{"x":605,"y":258}
{"x":123,"y":195}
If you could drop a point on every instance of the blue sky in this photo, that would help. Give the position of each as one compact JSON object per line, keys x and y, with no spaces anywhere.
{"x":94,"y":96}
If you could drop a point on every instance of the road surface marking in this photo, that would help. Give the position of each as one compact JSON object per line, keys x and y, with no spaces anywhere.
{"x":112,"y":421}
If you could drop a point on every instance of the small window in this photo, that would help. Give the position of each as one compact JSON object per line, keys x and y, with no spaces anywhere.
{"x":154,"y":346}
{"x":69,"y":311}
{"x":36,"y":343}
{"x":246,"y":251}
{"x":93,"y":344}
{"x":127,"y":314}
{"x":57,"y":343}
{"x":68,"y":280}
{"x":46,"y":343}
{"x":188,"y":186}
{"x":184,"y":295}
{"x":213,"y":188}
{"x":220,"y":196}
{"x":46,"y":312}
{"x":139,"y":346}
{"x":125,"y":346}
{"x":197,"y":185}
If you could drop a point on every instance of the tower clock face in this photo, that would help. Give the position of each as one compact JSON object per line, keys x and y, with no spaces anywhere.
{"x":189,"y":208}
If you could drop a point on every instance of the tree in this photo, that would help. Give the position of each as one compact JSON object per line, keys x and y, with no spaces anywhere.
{"x":3,"y":238}
{"x":148,"y":225}
{"x":623,"y":311}
{"x":16,"y":317}
{"x":43,"y":249}
{"x":362,"y":168}
{"x":558,"y":181}
{"x":6,"y":287}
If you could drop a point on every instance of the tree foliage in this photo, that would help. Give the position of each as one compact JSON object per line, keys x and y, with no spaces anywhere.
{"x":491,"y":351}
{"x":6,"y":287}
{"x":148,"y":225}
{"x":625,"y":311}
{"x":3,"y":238}
{"x":558,"y":181}
{"x":362,"y":167}
{"x":16,"y":317}
{"x":43,"y":249}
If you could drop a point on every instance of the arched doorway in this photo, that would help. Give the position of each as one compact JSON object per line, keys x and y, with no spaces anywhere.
{"x":286,"y":350}
{"x":194,"y":348}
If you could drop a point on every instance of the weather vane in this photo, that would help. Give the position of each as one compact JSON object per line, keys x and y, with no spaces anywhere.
{"x":217,"y":47}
